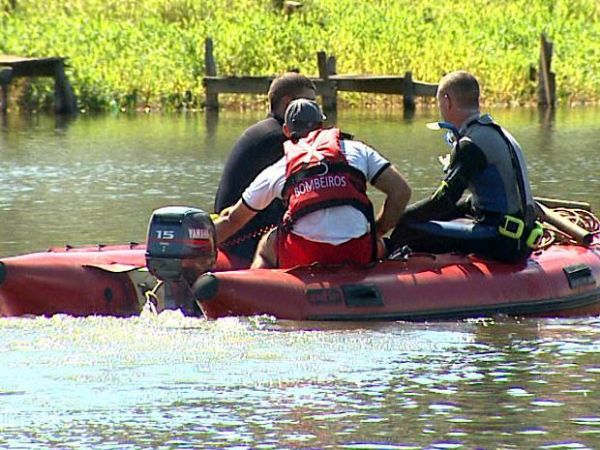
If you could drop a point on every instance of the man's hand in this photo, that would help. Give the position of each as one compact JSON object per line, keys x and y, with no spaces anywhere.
{"x":444,"y":161}
{"x":231,"y":220}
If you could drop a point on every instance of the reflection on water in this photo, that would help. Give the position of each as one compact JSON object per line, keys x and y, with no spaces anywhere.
{"x":174,"y":382}
{"x":97,"y":179}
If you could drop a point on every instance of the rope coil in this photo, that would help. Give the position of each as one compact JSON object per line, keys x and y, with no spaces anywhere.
{"x":582,"y":218}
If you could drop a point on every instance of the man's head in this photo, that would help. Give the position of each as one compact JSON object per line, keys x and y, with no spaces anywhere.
{"x":301,"y":117}
{"x":458,"y":96}
{"x":288,"y":87}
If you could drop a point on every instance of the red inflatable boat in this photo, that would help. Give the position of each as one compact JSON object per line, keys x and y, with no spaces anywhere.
{"x":559,"y":281}
{"x":84,"y":281}
{"x":562,"y":280}
{"x":77,"y":281}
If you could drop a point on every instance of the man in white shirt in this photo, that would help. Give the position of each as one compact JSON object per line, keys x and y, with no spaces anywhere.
{"x":322,"y":181}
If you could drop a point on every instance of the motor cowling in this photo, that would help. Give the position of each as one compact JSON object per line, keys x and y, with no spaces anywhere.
{"x":181,"y":243}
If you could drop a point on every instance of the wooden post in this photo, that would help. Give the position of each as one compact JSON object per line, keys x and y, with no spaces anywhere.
{"x":408,"y":99}
{"x":546,"y":78}
{"x":64,"y":97}
{"x":210,"y":70}
{"x":5,"y":78}
{"x":331,"y":65}
{"x":329,"y":91}
{"x":211,"y":118}
{"x":4,"y":98}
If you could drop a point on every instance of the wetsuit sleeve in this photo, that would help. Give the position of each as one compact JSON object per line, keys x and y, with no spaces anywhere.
{"x":465,"y":162}
{"x":257,"y":148}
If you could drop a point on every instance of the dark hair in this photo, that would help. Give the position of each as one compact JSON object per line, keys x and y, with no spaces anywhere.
{"x":463,"y":86}
{"x":288,"y":84}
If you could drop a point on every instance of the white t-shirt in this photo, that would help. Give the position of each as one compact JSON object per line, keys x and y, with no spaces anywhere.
{"x":334,"y":225}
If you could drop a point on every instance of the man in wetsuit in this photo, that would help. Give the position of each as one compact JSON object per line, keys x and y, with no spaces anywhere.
{"x":322,"y":179}
{"x":498,"y":220}
{"x":258,"y":147}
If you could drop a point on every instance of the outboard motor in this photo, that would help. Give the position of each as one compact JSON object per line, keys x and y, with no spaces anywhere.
{"x":180,"y":247}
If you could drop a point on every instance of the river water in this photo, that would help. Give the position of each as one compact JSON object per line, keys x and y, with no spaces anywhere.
{"x":257,"y":383}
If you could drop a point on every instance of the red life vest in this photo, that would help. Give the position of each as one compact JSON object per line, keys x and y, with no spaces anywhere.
{"x":318,"y":177}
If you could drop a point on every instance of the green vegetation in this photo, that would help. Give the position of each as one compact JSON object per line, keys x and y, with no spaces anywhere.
{"x":126,"y":54}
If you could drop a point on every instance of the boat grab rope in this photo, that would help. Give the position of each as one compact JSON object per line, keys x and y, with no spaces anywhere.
{"x":582,"y":218}
{"x":152,"y":296}
{"x":245,"y":237}
{"x":552,"y":235}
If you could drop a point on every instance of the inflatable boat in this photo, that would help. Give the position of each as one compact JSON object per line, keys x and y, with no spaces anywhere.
{"x":559,"y":281}
{"x":179,"y":268}
{"x":108,"y":280}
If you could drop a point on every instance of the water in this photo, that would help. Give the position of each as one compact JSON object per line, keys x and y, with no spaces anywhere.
{"x":173,"y":382}
{"x":97,"y":180}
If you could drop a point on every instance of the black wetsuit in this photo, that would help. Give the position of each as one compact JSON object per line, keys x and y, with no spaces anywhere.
{"x":257,"y":148}
{"x":480,"y":163}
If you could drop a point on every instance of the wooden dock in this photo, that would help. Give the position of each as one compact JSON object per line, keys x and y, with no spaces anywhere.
{"x":12,"y":67}
{"x":328,"y":83}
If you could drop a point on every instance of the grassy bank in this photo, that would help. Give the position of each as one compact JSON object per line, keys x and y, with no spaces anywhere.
{"x":129,"y":53}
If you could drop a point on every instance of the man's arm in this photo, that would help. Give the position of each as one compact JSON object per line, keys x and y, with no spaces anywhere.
{"x":465,"y":162}
{"x":256,"y":198}
{"x":397,"y":192}
{"x":231,"y":220}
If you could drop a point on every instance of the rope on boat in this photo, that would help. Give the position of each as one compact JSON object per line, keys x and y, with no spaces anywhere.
{"x":245,"y":237}
{"x":580,"y":217}
{"x":584,"y":219}
{"x":152,"y":297}
{"x":552,"y":235}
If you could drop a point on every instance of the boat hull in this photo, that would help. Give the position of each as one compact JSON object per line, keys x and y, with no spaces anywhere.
{"x":561,"y":281}
{"x":84,"y":281}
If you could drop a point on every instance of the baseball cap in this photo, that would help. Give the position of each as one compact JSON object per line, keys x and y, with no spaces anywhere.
{"x":302,"y":116}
